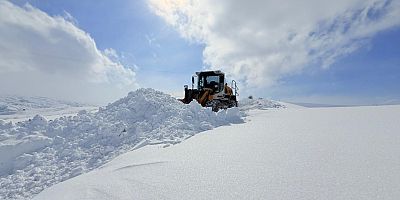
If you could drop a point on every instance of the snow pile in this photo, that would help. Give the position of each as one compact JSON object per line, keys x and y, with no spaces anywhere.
{"x":36,"y":154}
{"x":260,"y":103}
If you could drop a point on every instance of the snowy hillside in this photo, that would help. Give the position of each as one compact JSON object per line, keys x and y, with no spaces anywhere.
{"x":39,"y":153}
{"x":319,"y":153}
{"x":19,"y":108}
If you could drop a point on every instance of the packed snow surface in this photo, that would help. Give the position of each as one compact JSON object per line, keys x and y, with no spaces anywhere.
{"x":319,"y":153}
{"x":38,"y":153}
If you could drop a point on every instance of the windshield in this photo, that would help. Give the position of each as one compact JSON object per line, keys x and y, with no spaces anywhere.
{"x":212,"y":82}
{"x":211,"y":79}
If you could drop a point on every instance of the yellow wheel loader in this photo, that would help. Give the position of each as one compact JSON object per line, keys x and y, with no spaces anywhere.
{"x":212,"y":91}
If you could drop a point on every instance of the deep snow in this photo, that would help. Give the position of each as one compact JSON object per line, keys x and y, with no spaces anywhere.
{"x":321,"y":153}
{"x":38,"y":153}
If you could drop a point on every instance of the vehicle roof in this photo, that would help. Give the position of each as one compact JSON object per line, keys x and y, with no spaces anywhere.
{"x":209,"y":73}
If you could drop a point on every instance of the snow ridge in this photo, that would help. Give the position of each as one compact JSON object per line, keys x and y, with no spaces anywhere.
{"x":48,"y":152}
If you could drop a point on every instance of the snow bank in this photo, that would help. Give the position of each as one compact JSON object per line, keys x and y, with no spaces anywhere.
{"x":37,"y":153}
{"x":260,"y":103}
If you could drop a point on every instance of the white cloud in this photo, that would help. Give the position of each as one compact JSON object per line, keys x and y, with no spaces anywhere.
{"x":51,"y":56}
{"x":259,"y":41}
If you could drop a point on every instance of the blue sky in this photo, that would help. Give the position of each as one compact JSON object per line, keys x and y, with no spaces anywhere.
{"x":164,"y":53}
{"x":369,"y":76}
{"x":127,"y":26}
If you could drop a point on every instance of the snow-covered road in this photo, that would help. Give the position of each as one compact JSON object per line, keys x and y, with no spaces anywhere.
{"x":319,"y":153}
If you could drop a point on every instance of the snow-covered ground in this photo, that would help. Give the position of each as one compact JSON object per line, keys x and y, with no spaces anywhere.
{"x":146,"y":146}
{"x":38,"y":153}
{"x":319,"y":153}
{"x":19,"y":108}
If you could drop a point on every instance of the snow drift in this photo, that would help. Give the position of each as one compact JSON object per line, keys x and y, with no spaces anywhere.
{"x":287,"y":154}
{"x":38,"y":153}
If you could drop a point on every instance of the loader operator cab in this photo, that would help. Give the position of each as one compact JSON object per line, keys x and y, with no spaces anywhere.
{"x":213,"y":80}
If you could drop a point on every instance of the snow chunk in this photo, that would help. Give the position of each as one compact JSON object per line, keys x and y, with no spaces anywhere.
{"x":38,"y":121}
{"x":12,"y":148}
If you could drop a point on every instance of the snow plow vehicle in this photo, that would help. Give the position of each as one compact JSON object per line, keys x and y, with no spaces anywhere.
{"x":212,"y":91}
